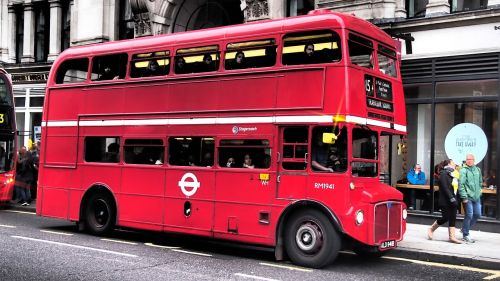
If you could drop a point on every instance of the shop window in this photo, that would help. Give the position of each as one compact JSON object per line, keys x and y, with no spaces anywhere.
{"x":416,"y":8}
{"x":251,"y":54}
{"x":150,"y":64}
{"x":364,"y":149}
{"x":20,"y":101}
{"x":361,"y":51}
{"x":387,"y":61}
{"x":197,"y":59}
{"x":329,"y":156}
{"x":311,"y":48}
{"x":295,"y":145}
{"x":191,"y":151}
{"x":111,"y":67}
{"x":415,"y":91}
{"x":475,"y":88}
{"x":36,"y":101}
{"x":143,"y":151}
{"x":468,"y":5}
{"x":7,"y":153}
{"x":245,"y":153}
{"x":72,"y":71}
{"x":102,"y":149}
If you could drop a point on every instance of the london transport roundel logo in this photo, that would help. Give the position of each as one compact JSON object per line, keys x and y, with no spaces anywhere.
{"x":190,"y":181}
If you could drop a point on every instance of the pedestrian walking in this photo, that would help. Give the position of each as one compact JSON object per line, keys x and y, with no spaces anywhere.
{"x":448,"y":203}
{"x":24,"y":176}
{"x":470,"y":193}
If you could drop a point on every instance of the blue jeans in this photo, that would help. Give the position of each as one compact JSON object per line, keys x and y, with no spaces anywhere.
{"x":472,"y":213}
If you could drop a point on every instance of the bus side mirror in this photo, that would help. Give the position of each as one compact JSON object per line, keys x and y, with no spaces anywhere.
{"x":329,"y":138}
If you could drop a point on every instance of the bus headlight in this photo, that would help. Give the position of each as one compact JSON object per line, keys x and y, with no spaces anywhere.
{"x":352,"y":186}
{"x":405,"y":214}
{"x":360,"y":217}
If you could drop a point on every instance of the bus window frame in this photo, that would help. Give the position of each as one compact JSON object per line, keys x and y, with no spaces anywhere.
{"x":175,"y":54}
{"x":127,"y":67}
{"x":131,"y":60}
{"x":276,"y":43}
{"x":371,"y":42}
{"x":335,"y":32}
{"x":244,"y":138}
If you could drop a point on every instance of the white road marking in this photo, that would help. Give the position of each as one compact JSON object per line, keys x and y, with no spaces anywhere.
{"x":255,"y":277}
{"x":286,"y":267}
{"x":57,"y":232}
{"x":7,"y":226}
{"x":74,"y":246}
{"x":494,"y":273}
{"x":119,"y":241}
{"x":19,"y":212}
{"x":160,"y":246}
{"x":192,"y":253}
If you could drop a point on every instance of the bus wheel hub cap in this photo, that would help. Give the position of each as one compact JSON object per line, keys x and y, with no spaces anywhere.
{"x":308,"y":237}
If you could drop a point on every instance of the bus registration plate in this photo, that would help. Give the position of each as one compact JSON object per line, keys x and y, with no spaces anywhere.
{"x":386,"y":245}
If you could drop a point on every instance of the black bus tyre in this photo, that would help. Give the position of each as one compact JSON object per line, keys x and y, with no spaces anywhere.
{"x":311,"y":240}
{"x":100,"y":214}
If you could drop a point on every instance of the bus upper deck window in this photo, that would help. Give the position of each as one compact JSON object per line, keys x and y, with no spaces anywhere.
{"x":387,"y":61}
{"x":109,"y":67}
{"x":250,"y":54}
{"x":72,"y":71}
{"x":150,"y":64}
{"x":311,"y":48}
{"x":197,"y":59}
{"x":361,"y":51}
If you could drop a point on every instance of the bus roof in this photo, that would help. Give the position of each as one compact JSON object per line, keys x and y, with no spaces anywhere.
{"x":315,"y":19}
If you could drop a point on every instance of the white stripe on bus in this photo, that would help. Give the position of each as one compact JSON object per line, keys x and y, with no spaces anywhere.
{"x":222,"y":120}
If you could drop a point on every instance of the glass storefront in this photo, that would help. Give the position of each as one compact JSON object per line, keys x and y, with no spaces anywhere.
{"x":446,"y":119}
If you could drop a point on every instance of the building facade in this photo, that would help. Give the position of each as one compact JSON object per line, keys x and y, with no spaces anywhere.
{"x":450,"y":51}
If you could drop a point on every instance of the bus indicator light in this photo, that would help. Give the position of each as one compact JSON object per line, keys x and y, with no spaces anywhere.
{"x":264,"y":177}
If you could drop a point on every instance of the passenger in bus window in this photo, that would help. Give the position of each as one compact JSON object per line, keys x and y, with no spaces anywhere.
{"x":111,"y":155}
{"x":153,"y":69}
{"x":108,"y":74}
{"x":320,"y":155}
{"x":230,"y":162}
{"x":207,"y":160}
{"x":309,"y":55}
{"x":180,"y":65}
{"x":208,"y":64}
{"x":239,"y":60}
{"x":247,"y":162}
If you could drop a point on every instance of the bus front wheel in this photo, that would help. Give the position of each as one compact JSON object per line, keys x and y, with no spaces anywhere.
{"x":100,"y":214}
{"x":311,"y":240}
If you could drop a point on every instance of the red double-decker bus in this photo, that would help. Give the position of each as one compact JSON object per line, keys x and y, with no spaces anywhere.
{"x":266,"y":133}
{"x":7,"y":138}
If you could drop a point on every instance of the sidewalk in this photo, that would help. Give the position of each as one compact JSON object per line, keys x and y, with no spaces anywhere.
{"x":485,"y":253}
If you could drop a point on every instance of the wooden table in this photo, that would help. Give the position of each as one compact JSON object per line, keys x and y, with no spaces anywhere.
{"x":416,"y":186}
{"x":489,"y":191}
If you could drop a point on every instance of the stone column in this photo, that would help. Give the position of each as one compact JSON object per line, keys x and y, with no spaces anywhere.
{"x":29,"y":33}
{"x":400,"y":11}
{"x":437,"y":7}
{"x":55,"y":29}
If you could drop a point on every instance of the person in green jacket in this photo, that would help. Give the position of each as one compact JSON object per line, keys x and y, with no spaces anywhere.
{"x":469,"y":189}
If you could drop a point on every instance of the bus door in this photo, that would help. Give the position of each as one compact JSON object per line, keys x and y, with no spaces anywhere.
{"x":142,"y":183}
{"x":292,"y":162}
{"x":190,"y":184}
{"x":245,"y":188}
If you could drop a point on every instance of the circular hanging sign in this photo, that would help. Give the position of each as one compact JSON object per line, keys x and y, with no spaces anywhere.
{"x":463,"y":139}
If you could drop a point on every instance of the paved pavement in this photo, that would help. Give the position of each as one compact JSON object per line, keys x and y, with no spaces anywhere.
{"x":484,"y":253}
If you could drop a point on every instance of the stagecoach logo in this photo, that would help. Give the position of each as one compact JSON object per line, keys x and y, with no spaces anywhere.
{"x":237,"y":129}
{"x":193,"y":184}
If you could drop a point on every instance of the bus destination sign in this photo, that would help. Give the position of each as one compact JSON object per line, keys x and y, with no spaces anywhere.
{"x":378,"y":93}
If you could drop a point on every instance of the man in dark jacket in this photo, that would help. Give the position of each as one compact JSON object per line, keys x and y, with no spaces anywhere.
{"x":24,"y":176}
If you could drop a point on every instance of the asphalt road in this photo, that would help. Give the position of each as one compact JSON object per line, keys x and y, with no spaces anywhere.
{"x":35,"y":248}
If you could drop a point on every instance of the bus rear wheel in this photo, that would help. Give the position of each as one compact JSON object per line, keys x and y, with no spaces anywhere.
{"x":311,"y":240}
{"x":100,"y":214}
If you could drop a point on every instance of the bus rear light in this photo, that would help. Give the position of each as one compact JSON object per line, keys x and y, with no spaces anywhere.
{"x":360,"y":217}
{"x":352,"y":186}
